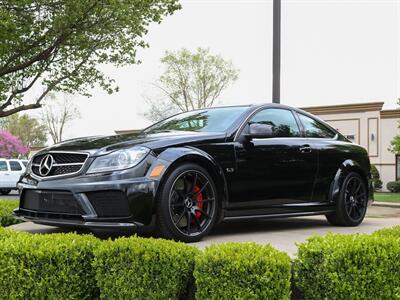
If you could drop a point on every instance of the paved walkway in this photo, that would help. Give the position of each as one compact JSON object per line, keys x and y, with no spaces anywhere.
{"x":12,"y":196}
{"x":283,"y":234}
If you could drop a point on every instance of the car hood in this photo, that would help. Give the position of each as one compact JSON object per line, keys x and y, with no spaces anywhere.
{"x":100,"y":145}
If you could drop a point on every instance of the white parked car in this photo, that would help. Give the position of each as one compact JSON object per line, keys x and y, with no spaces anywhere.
{"x":10,"y":172}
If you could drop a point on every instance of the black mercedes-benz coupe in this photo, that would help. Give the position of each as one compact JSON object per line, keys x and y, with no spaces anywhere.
{"x":188,"y":172}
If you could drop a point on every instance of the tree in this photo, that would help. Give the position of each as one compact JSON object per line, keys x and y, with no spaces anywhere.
{"x":190,"y":81}
{"x":376,"y":178}
{"x":30,"y":131}
{"x":11,"y":146}
{"x":56,"y":115}
{"x":57,"y":45}
{"x":395,"y":143}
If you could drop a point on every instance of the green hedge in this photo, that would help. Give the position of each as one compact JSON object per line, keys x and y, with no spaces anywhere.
{"x":139,"y":268}
{"x":349,"y":267}
{"x":6,"y":210}
{"x":71,"y":266}
{"x":56,"y":266}
{"x":242,"y":271}
{"x":389,"y":232}
{"x":393,"y":186}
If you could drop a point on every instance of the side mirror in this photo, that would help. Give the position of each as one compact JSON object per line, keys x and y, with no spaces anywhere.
{"x":259,"y":131}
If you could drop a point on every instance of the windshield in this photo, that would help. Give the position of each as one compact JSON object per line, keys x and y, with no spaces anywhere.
{"x":205,"y":120}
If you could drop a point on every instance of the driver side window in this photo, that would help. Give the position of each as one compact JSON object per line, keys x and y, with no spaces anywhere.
{"x":282,"y":122}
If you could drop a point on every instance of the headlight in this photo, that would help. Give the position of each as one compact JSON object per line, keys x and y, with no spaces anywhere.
{"x":118,"y":160}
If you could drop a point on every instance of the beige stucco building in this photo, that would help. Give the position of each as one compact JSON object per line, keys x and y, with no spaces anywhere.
{"x":371,"y":127}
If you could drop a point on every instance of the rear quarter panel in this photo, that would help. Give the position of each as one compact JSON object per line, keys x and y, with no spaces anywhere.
{"x":336,"y":160}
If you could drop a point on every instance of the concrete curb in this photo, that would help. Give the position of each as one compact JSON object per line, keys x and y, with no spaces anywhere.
{"x":386,"y":204}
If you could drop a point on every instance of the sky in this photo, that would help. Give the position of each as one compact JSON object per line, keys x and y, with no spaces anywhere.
{"x":333,"y":52}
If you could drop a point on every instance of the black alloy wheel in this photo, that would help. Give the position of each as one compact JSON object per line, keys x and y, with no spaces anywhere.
{"x":352,"y":204}
{"x":355,"y":198}
{"x":188,"y":206}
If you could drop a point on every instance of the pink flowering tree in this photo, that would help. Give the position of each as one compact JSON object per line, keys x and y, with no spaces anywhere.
{"x":11,"y":146}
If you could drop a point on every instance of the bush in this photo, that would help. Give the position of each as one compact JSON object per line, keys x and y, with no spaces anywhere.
{"x":6,"y":210}
{"x":6,"y":233}
{"x":56,"y":266}
{"x":349,"y":267}
{"x":242,"y":271}
{"x":393,"y":186}
{"x":376,"y":178}
{"x":389,"y":232}
{"x":138,"y":268}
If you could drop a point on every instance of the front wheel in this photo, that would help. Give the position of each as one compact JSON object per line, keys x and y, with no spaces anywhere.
{"x":351,"y":206}
{"x":187,"y":204}
{"x":5,"y":191}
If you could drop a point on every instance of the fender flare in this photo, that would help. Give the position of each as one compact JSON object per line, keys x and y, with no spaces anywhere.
{"x":172,"y":157}
{"x":345,"y":168}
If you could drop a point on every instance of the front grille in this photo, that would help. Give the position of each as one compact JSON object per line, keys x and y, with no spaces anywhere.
{"x":109,"y":203}
{"x":58,"y":164}
{"x":50,"y":201}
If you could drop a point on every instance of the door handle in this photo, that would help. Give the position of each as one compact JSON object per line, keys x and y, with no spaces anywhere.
{"x":7,"y":174}
{"x":305,"y":149}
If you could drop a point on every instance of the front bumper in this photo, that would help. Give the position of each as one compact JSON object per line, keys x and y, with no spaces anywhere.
{"x":104,"y":201}
{"x":31,"y":216}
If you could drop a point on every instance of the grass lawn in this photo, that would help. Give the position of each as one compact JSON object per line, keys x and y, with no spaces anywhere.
{"x":387,"y":197}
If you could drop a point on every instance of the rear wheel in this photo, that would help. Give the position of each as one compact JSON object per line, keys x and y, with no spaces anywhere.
{"x":352,"y":203}
{"x":187,"y":206}
{"x":5,"y":191}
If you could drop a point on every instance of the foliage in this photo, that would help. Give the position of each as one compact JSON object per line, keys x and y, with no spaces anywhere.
{"x":31,"y":132}
{"x":393,"y":186}
{"x":11,"y":146}
{"x":190,"y":81}
{"x":242,"y":271}
{"x":6,"y":211}
{"x":349,"y":267}
{"x":58,"y":45}
{"x":56,"y":266}
{"x":395,"y":143}
{"x":6,"y":233}
{"x":389,"y":232}
{"x":376,"y":178}
{"x":57,"y":114}
{"x":137,"y":268}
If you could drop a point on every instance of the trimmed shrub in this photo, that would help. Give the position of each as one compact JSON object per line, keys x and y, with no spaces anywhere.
{"x":349,"y":267}
{"x":389,"y":232}
{"x":376,"y":178}
{"x":6,"y":233}
{"x":242,"y":271}
{"x":139,"y":268}
{"x":393,"y":186}
{"x":6,"y":210}
{"x":56,"y":266}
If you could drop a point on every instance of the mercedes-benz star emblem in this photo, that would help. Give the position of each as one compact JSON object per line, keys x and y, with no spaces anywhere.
{"x":45,"y":165}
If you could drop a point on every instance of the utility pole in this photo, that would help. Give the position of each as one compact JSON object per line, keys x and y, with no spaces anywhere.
{"x":276,"y":53}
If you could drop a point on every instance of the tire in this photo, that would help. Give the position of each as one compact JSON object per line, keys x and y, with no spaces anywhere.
{"x":5,"y":191}
{"x":187,"y":204}
{"x":351,"y":206}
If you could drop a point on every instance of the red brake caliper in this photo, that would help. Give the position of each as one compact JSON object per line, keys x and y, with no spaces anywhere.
{"x":199,"y":203}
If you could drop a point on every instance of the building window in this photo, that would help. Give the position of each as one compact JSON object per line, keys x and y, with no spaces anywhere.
{"x":397,"y":167}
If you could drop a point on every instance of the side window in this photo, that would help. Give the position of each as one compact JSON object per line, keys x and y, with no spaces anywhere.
{"x":282,"y":121}
{"x":15,"y":166}
{"x":3,"y":166}
{"x":315,"y":129}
